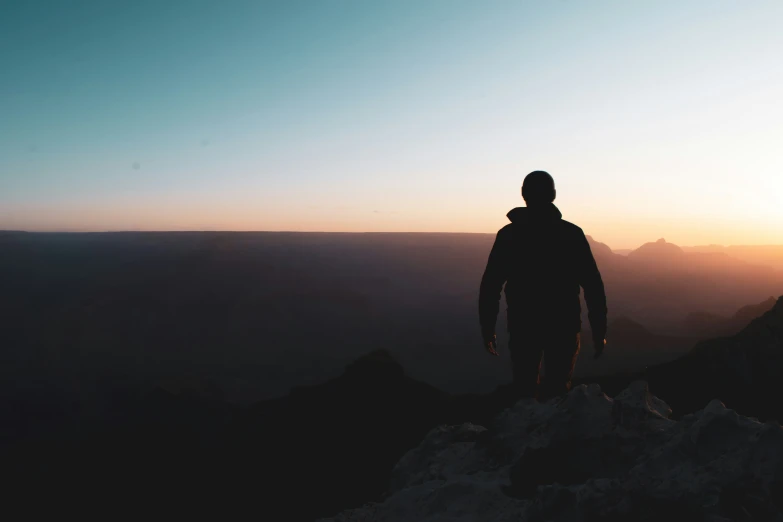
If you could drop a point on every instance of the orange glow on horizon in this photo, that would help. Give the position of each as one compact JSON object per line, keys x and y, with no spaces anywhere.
{"x":630,"y":232}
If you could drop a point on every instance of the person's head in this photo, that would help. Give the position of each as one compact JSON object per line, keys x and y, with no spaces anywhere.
{"x":538,"y":188}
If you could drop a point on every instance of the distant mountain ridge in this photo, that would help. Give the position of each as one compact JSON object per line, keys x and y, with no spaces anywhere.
{"x":664,"y":253}
{"x":771,"y":255}
{"x":668,"y":254}
{"x":661,"y":283}
{"x":658,"y":251}
{"x":743,"y":371}
{"x":627,"y":340}
{"x":705,"y":324}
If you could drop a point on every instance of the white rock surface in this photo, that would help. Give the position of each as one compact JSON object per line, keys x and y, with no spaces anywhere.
{"x":589,"y":457}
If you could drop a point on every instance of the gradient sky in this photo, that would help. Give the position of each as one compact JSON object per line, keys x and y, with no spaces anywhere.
{"x":657,"y":119}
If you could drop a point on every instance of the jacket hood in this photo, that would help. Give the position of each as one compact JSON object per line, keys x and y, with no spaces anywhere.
{"x":544,"y":212}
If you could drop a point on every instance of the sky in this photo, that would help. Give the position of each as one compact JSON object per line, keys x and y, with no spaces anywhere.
{"x":656,"y":119}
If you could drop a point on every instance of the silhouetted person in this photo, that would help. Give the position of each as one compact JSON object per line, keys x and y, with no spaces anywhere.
{"x":543,"y":260}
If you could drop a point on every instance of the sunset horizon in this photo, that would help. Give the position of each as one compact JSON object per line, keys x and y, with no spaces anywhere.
{"x":619,"y":246}
{"x":655,"y":121}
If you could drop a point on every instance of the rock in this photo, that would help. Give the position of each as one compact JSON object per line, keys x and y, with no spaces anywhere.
{"x":589,"y":457}
{"x":442,"y":454}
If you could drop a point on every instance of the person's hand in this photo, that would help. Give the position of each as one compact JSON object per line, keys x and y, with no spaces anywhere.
{"x":598,"y":346}
{"x":491,"y":345}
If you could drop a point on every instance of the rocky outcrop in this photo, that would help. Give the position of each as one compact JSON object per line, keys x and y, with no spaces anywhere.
{"x":589,"y":457}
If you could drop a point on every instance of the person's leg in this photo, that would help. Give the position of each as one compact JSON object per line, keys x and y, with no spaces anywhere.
{"x":526,"y":361}
{"x":560,"y":355}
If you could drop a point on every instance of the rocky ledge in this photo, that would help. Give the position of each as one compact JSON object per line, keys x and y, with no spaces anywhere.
{"x":588,"y":457}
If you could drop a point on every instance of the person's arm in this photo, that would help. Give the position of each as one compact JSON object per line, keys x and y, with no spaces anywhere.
{"x":492,"y":282}
{"x":595,"y":295}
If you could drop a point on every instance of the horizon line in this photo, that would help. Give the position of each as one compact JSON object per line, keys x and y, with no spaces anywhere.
{"x":206,"y":231}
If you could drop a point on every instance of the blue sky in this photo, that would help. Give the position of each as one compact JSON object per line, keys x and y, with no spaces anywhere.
{"x":657,"y":119}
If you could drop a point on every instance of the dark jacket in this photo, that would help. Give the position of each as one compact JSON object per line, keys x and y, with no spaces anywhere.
{"x":543,"y":260}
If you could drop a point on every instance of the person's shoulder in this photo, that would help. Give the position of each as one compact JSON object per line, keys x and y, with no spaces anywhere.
{"x":571,"y":228}
{"x":506,"y":230}
{"x":505,"y":234}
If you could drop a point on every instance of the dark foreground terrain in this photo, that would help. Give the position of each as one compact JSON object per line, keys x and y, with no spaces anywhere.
{"x":334,"y":446}
{"x":588,"y":457}
{"x":226,"y":372}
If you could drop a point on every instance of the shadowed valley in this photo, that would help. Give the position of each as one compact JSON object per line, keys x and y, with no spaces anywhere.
{"x":216,"y":365}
